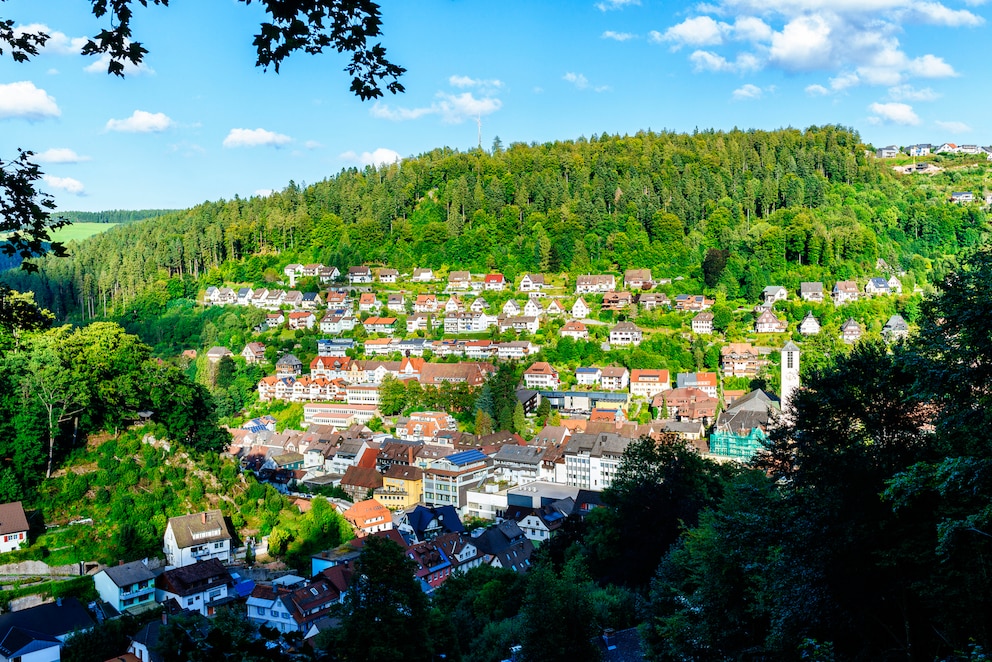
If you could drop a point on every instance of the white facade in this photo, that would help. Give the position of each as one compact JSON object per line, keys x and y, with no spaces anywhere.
{"x":197,"y":537}
{"x":790,"y":373}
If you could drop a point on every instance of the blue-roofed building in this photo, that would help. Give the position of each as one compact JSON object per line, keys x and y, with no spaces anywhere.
{"x":877,"y":286}
{"x":425,"y":523}
{"x":38,"y":633}
{"x":448,"y":480}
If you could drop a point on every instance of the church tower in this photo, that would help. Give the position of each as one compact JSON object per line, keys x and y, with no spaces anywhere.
{"x":790,"y":373}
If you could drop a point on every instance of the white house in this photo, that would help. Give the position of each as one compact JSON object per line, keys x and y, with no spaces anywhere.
{"x":625,"y":333}
{"x":13,"y":526}
{"x":541,"y":375}
{"x":197,"y":537}
{"x":532,"y":283}
{"x":201,"y":587}
{"x":587,"y":376}
{"x":810,"y":326}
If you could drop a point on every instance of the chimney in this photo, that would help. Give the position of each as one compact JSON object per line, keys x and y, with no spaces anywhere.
{"x":610,"y":639}
{"x":409,"y":455}
{"x":203,"y":517}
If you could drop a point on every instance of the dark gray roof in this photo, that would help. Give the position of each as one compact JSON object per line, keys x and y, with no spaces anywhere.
{"x":597,"y":445}
{"x":685,"y":427}
{"x":622,"y":646}
{"x":195,"y":578}
{"x":520,"y":454}
{"x":289,"y":359}
{"x":748,"y":412}
{"x":896,"y":323}
{"x":148,"y":636}
{"x":52,"y":619}
{"x":16,"y":642}
{"x":129,"y":573}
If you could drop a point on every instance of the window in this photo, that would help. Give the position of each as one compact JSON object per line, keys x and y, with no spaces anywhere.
{"x":260,"y":611}
{"x":189,"y":602}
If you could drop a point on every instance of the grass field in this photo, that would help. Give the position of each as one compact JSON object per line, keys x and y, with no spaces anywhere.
{"x":80,"y":231}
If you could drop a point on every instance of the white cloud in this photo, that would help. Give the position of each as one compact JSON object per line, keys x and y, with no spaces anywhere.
{"x":578,"y":80}
{"x":254,"y":138}
{"x":312,"y":144}
{"x":384,"y":112}
{"x":452,"y":108}
{"x":381,"y":156}
{"x":607,"y":5}
{"x":466,"y":81}
{"x":844,"y":81}
{"x":99,"y":66}
{"x":618,"y":36}
{"x":141,"y":121}
{"x":747,"y":92}
{"x":802,"y":44}
{"x":263,"y":193}
{"x":582,"y":83}
{"x":931,"y":66}
{"x":895,"y":113}
{"x":910,"y":93}
{"x":817,"y":91}
{"x":709,"y":61}
{"x":751,"y":28}
{"x":455,"y":108}
{"x":60,"y":155}
{"x":58,"y":42}
{"x":26,"y":101}
{"x":953,"y":127}
{"x":938,"y":14}
{"x":842,"y":37}
{"x":698,"y":31}
{"x":67,"y":184}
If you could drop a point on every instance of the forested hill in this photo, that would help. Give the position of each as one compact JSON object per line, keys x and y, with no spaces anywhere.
{"x":788,"y":205}
{"x":118,"y":216}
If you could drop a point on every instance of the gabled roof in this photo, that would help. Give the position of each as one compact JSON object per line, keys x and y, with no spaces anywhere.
{"x":129,"y":573}
{"x":289,"y":359}
{"x":12,"y":518}
{"x":195,"y":578}
{"x":52,"y":619}
{"x":366,"y":477}
{"x":896,"y":323}
{"x":197,"y":528}
{"x":421,"y":517}
{"x":365,"y":512}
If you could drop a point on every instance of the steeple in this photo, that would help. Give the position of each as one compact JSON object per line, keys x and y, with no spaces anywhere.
{"x":790,"y":373}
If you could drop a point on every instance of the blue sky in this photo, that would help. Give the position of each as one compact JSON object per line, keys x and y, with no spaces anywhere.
{"x":200,"y":122}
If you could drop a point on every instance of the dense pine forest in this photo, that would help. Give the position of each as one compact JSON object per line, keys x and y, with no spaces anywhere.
{"x":787,"y":205}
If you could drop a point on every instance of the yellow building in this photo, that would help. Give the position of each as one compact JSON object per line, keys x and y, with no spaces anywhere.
{"x":402,"y":487}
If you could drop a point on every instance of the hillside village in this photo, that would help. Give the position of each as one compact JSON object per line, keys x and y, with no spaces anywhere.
{"x":419,"y":477}
{"x":342,"y":385}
